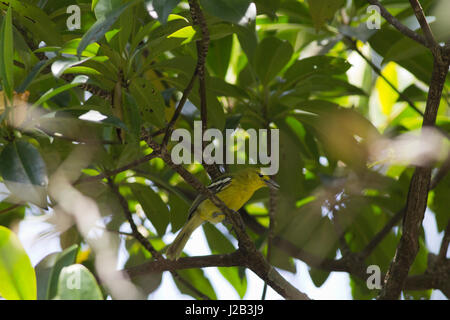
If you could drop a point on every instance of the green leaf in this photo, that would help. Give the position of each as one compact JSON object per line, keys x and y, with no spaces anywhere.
{"x":104,"y":7}
{"x":99,"y":28}
{"x":24,"y":172}
{"x":318,"y":276}
{"x":76,"y":282}
{"x":323,"y":10}
{"x":360,"y":290}
{"x":150,"y":101}
{"x":237,"y":11}
{"x":272,"y":55}
{"x":49,"y":269}
{"x":178,"y":211}
{"x":59,"y":66}
{"x":148,"y":282}
{"x":33,"y":73}
{"x":7,"y":55}
{"x":219,"y":54}
{"x":195,"y":277}
{"x":323,"y":65}
{"x":54,"y":92}
{"x":12,"y":216}
{"x":439,"y":203}
{"x":155,"y":209}
{"x":386,"y":95}
{"x":327,"y":86}
{"x":218,"y":243}
{"x":163,"y":8}
{"x":407,"y":53}
{"x":18,"y":279}
{"x":35,"y":20}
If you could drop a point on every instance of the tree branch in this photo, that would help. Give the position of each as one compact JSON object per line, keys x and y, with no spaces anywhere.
{"x":129,"y":166}
{"x":398,"y":25}
{"x":429,"y":37}
{"x":145,"y":242}
{"x":254,"y":259}
{"x":380,"y":74}
{"x":382,"y":234}
{"x":11,"y":208}
{"x":445,"y":242}
{"x":202,"y":51}
{"x":226,"y":260}
{"x":417,"y":197}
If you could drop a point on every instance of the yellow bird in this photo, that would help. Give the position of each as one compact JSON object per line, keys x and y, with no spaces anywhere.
{"x":233,"y":189}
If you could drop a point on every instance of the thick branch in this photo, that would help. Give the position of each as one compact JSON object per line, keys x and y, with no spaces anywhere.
{"x":225,"y":260}
{"x":417,"y":198}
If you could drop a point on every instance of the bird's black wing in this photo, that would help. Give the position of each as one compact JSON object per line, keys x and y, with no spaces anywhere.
{"x":216,"y":186}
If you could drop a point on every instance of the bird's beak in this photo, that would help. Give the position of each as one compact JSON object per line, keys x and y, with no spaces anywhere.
{"x":272,"y":184}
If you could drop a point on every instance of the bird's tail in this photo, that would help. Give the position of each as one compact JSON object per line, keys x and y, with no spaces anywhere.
{"x":175,"y":249}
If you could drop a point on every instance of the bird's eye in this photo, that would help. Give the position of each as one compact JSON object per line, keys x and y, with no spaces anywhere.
{"x":260,"y":175}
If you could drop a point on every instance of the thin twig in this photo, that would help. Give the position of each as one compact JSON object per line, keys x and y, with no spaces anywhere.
{"x":129,"y":166}
{"x":382,"y":234}
{"x":445,"y":242}
{"x":202,"y":50}
{"x":181,"y":103}
{"x":11,"y":208}
{"x":431,"y":40}
{"x":134,"y":229}
{"x":397,"y":24}
{"x":271,"y":233}
{"x":145,"y":242}
{"x":378,"y":71}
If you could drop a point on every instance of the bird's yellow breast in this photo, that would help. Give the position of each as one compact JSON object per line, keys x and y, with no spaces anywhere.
{"x":233,"y":197}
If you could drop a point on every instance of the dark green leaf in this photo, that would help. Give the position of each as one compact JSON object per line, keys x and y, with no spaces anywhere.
{"x":316,"y":65}
{"x":150,"y":101}
{"x":272,"y":55}
{"x":197,"y":278}
{"x":163,"y":8}
{"x":323,"y":10}
{"x":99,"y":29}
{"x":149,"y":282}
{"x":219,"y":54}
{"x":12,"y":216}
{"x":155,"y":209}
{"x":237,"y":11}
{"x":24,"y":172}
{"x":32,"y":75}
{"x":318,"y":276}
{"x":439,"y":203}
{"x":7,"y":55}
{"x":104,"y":7}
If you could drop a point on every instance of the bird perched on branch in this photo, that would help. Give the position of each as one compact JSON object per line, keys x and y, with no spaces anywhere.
{"x":233,"y":189}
